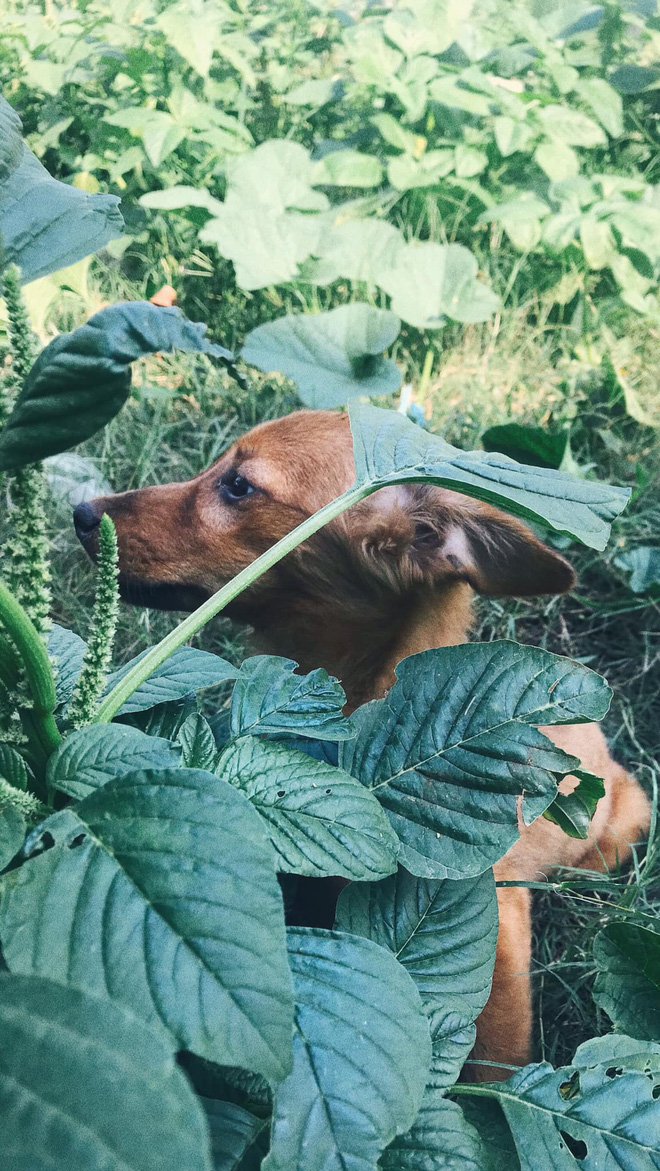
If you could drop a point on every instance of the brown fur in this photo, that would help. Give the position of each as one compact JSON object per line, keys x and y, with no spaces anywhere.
{"x":392,"y":576}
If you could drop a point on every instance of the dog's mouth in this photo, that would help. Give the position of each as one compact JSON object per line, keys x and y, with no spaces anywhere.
{"x":165,"y":596}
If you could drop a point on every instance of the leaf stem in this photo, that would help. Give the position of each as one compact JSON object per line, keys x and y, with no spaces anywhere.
{"x":195,"y":621}
{"x":34,"y":658}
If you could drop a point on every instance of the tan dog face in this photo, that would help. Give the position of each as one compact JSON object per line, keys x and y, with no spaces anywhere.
{"x":179,"y":543}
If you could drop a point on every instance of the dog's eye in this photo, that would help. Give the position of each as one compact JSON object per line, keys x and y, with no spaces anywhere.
{"x":235,"y":486}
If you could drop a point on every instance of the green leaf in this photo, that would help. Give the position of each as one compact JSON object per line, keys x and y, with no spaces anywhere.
{"x":444,"y":934}
{"x":605,"y":103}
{"x":573,"y":812}
{"x":643,"y":565}
{"x":11,"y":143}
{"x":609,"y":1122}
{"x":634,"y":79}
{"x":67,"y":651}
{"x":598,"y":243}
{"x":395,"y":133}
{"x":627,"y":986}
{"x":511,"y":135}
{"x":530,"y":445}
{"x":347,"y":168}
{"x":197,"y":742}
{"x":12,"y":767}
{"x":90,"y":757}
{"x":12,"y":831}
{"x":331,"y":356}
{"x":165,"y":720}
{"x":619,"y":1050}
{"x":132,"y":864}
{"x":173,"y":198}
{"x":317,"y":817}
{"x":47,"y":225}
{"x":571,"y":126}
{"x":469,"y":161}
{"x":406,"y":172}
{"x":83,"y":1083}
{"x":187,"y":669}
{"x":453,"y":745}
{"x":82,"y":379}
{"x":317,"y":92}
{"x":389,"y":449}
{"x":487,"y":1118}
{"x":557,"y":160}
{"x":359,"y":250}
{"x":450,"y":91}
{"x":191,"y":29}
{"x":239,"y":1140}
{"x":430,"y":282}
{"x":268,"y":697}
{"x":361,"y":1054}
{"x":441,"y":1139}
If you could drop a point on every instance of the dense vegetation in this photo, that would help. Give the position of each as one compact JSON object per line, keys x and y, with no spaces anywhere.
{"x":473,"y":189}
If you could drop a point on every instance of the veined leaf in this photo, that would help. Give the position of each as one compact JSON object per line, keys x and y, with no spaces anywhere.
{"x":618,"y":1050}
{"x":197,"y":743}
{"x":627,"y":986}
{"x":573,"y":812}
{"x":430,"y":282}
{"x":188,"y":669}
{"x":11,"y":143}
{"x":84,"y":1083}
{"x":239,"y":1140}
{"x":13,"y":767}
{"x":268,"y":697}
{"x":67,"y":650}
{"x":453,"y":745}
{"x":389,"y":449}
{"x":178,"y":860}
{"x":347,"y":168}
{"x":12,"y":831}
{"x":441,"y":1139}
{"x":316,"y":815}
{"x":90,"y":757}
{"x":361,"y":1054}
{"x":82,"y":379}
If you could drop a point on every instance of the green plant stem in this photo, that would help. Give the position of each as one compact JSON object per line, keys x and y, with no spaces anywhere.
{"x":33,"y":656}
{"x":195,"y":621}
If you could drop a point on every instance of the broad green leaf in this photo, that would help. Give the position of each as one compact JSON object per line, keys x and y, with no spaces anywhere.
{"x":66,"y":651}
{"x":160,"y":892}
{"x":573,"y":812}
{"x":361,"y":1054}
{"x":511,"y":135}
{"x":571,"y":126}
{"x":12,"y":831}
{"x":619,"y":1050}
{"x":389,"y":449}
{"x":239,"y":1140}
{"x":82,"y":379}
{"x":441,"y":1139}
{"x":268,"y":697}
{"x":188,"y":669}
{"x":531,"y":445}
{"x":317,"y":92}
{"x":627,"y":986}
{"x":374,"y":62}
{"x":331,"y":356}
{"x":633,"y":79}
{"x":605,"y":103}
{"x":12,"y":767}
{"x":444,"y":934}
{"x":469,"y":161}
{"x":395,"y":133}
{"x":453,"y":745}
{"x":191,"y":29}
{"x":406,"y":172}
{"x":197,"y":743}
{"x":347,"y":168}
{"x":487,"y":1118}
{"x":609,"y":1123}
{"x":449,"y":91}
{"x":557,"y":159}
{"x":11,"y":143}
{"x":90,"y":757}
{"x":430,"y":282}
{"x":47,"y":225}
{"x":597,"y":240}
{"x":173,"y":198}
{"x":317,"y":817}
{"x":643,"y":565}
{"x":359,"y":249}
{"x":166,"y":719}
{"x":85,"y":1084}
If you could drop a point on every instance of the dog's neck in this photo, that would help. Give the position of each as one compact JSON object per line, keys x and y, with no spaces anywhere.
{"x":363,"y":653}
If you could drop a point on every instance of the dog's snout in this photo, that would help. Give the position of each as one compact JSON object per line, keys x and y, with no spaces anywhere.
{"x":86,"y":520}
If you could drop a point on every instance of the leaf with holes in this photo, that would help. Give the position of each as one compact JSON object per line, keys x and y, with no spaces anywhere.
{"x":84,"y":1083}
{"x":627,"y":985}
{"x":82,"y":379}
{"x":453,"y":745}
{"x":573,"y":812}
{"x":188,"y":669}
{"x":361,"y":1053}
{"x":389,"y":449}
{"x":269,"y":698}
{"x":177,"y":860}
{"x":90,"y":757}
{"x":317,"y":817}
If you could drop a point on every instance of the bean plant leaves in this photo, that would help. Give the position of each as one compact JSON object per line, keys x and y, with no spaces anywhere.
{"x":610,"y":1123}
{"x":188,"y":669}
{"x":318,"y":819}
{"x":389,"y":449}
{"x":453,"y":745}
{"x":331,"y":356}
{"x":12,"y":831}
{"x":82,"y":379}
{"x":361,"y":1054}
{"x":441,"y":1139}
{"x":90,"y":757}
{"x":627,"y":986}
{"x":84,"y":1083}
{"x":268,"y":697}
{"x":239,"y":1140}
{"x":132,"y":862}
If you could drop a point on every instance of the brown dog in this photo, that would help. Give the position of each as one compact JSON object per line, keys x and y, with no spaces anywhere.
{"x":393,"y":576}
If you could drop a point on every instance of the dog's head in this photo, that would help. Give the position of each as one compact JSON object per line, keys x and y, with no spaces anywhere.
{"x":178,"y":543}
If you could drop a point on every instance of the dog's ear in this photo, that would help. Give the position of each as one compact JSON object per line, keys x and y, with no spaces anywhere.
{"x":419,"y":534}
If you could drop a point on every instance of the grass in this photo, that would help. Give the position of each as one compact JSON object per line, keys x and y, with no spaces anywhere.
{"x":521,"y":366}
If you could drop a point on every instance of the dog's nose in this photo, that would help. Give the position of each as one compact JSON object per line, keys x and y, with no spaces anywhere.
{"x":86,"y":520}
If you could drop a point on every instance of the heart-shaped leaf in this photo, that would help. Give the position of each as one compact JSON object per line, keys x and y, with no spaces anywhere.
{"x":331,"y":356}
{"x":177,"y":859}
{"x":430,"y":282}
{"x":188,"y":669}
{"x":389,"y":449}
{"x":90,"y":757}
{"x":84,"y":1083}
{"x":453,"y":745}
{"x":82,"y":379}
{"x":627,"y":986}
{"x":317,"y":816}
{"x":269,"y":698}
{"x":361,"y":1053}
